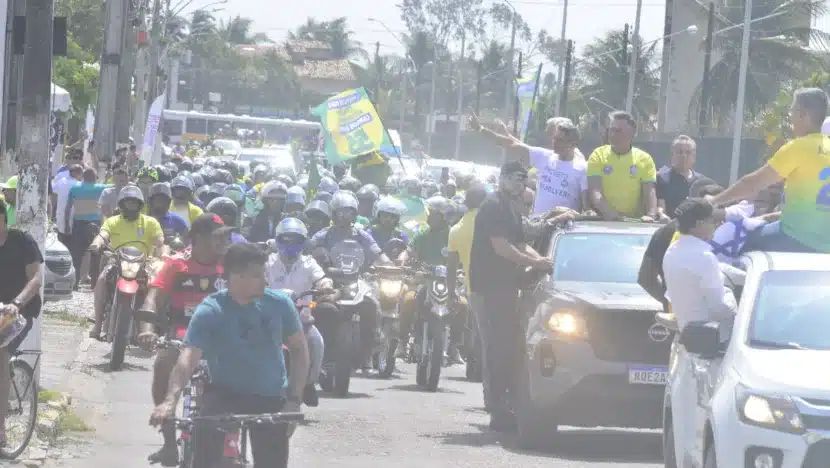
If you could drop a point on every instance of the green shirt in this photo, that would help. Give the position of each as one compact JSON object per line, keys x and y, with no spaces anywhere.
{"x":429,"y":245}
{"x":11,"y":215}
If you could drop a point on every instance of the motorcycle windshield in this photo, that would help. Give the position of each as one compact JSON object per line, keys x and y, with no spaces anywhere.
{"x":347,"y":256}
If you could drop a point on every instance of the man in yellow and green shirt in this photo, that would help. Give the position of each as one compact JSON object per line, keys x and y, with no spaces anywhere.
{"x":804,"y":165}
{"x":622,"y":178}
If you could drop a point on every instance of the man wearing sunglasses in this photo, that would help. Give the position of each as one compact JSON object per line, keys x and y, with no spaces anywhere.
{"x":499,"y":252}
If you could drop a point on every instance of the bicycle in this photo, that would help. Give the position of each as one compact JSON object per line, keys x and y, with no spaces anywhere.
{"x":236,"y":428}
{"x":22,"y":415}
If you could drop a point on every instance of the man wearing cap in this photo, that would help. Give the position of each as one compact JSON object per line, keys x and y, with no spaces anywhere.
{"x":498,"y":252}
{"x":10,"y":196}
{"x":178,"y":287}
{"x":82,"y":217}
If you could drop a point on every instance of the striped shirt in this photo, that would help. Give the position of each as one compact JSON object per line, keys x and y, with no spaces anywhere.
{"x":84,"y":200}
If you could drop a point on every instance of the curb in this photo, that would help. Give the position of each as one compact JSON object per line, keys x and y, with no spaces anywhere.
{"x":47,"y":430}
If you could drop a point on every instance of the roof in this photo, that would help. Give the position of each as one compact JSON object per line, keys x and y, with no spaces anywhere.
{"x":340,"y":69}
{"x":782,"y":261}
{"x":301,"y":46}
{"x":618,"y":227}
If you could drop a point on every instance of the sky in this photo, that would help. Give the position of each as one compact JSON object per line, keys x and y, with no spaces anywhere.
{"x":587,"y":19}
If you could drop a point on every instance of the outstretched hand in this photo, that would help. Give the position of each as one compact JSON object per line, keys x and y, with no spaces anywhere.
{"x":474,"y":122}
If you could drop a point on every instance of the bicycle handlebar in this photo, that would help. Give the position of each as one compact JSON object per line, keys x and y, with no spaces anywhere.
{"x":242,"y":420}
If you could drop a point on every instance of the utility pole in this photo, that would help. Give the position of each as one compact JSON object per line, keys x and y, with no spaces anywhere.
{"x":516,"y":100}
{"x":478,"y":86}
{"x":739,"y":105}
{"x":125,"y":79}
{"x":559,"y":76}
{"x":429,"y":120}
{"x":707,"y":63}
{"x":105,"y":114}
{"x":460,"y":103}
{"x":624,"y":60}
{"x":35,"y":100}
{"x":402,"y":117}
{"x":635,"y":53}
{"x":665,"y":67}
{"x":155,"y":51}
{"x":508,"y":86}
{"x":566,"y":82}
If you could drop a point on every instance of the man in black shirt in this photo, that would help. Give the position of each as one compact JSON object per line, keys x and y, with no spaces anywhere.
{"x":20,"y":280}
{"x":673,"y":183}
{"x":498,"y":253}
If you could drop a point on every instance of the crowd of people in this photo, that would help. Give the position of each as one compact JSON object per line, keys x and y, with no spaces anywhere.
{"x":230,"y":238}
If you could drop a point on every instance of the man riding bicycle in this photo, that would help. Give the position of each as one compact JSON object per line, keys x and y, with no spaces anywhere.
{"x":178,"y":287}
{"x":240,"y":332}
{"x":132,"y":228}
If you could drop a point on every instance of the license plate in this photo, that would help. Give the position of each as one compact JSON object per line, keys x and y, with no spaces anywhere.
{"x":648,"y":375}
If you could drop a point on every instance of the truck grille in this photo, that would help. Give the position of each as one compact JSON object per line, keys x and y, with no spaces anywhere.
{"x":60,"y":266}
{"x":623,"y":336}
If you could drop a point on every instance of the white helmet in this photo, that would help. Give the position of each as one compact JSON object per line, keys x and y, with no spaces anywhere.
{"x":295,"y":194}
{"x":441,"y":205}
{"x":272,"y":190}
{"x":390,"y":205}
{"x":343,"y":199}
{"x":130,"y":191}
{"x":291,"y":226}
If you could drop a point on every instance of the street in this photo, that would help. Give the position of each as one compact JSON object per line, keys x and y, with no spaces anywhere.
{"x":384,"y":422}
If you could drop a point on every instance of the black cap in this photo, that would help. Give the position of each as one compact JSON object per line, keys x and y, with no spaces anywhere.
{"x":208,"y":223}
{"x":512,"y":167}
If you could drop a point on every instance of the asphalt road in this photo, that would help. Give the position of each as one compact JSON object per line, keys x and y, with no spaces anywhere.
{"x":384,"y":423}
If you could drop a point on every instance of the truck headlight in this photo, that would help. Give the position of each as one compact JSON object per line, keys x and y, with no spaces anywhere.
{"x":772,"y":412}
{"x":569,"y":323}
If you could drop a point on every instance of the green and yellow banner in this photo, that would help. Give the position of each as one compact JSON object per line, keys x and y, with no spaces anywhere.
{"x":526,"y":90}
{"x":352,"y":126}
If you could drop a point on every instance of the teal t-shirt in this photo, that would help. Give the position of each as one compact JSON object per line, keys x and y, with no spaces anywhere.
{"x":84,"y":198}
{"x":243,"y":344}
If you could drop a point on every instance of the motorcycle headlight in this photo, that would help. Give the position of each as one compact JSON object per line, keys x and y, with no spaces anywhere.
{"x":772,"y":412}
{"x":129,"y":270}
{"x":441,"y":310}
{"x":568,"y":323}
{"x":391,"y":288}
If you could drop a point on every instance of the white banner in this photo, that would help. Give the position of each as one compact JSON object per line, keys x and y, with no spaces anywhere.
{"x":151,"y":130}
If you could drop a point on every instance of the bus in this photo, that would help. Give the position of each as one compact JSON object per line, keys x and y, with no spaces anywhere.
{"x":183,"y":126}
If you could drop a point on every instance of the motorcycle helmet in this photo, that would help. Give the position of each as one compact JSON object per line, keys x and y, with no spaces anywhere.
{"x":225,"y":208}
{"x":295,"y":195}
{"x":273,"y":189}
{"x":410,"y":185}
{"x":181,"y":181}
{"x":441,"y":205}
{"x":318,"y":207}
{"x":342,"y":200}
{"x":323,"y":196}
{"x":217,"y":188}
{"x":186,"y":165}
{"x":290,"y":226}
{"x":201,"y":194}
{"x":390,"y":205}
{"x":161,"y":188}
{"x":429,"y":189}
{"x":197,"y":180}
{"x":224,"y":176}
{"x":349,"y":183}
{"x":130,"y":192}
{"x":369,"y":192}
{"x":172,"y":168}
{"x":235,"y":193}
{"x":302,"y":182}
{"x":285,"y":179}
{"x":327,"y":184}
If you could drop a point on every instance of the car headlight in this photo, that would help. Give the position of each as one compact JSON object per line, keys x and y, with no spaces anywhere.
{"x":391,"y":288}
{"x":568,"y":323}
{"x":129,"y":270}
{"x":772,"y":412}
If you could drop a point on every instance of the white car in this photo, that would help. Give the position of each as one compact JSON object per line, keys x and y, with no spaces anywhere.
{"x":230,"y":148}
{"x":278,"y":158}
{"x":59,"y":276}
{"x":756,"y":394}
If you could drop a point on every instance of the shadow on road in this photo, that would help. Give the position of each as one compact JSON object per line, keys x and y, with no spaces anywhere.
{"x":419,"y":389}
{"x":459,"y":378}
{"x":600,"y":445}
{"x":350,"y":396}
{"x":105,"y":367}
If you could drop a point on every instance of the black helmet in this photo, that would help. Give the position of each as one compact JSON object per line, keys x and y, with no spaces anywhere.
{"x":223,"y":175}
{"x":318,"y":206}
{"x":225,"y":208}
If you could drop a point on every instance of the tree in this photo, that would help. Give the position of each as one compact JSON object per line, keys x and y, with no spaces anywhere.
{"x":336,"y":34}
{"x":444,"y":20}
{"x":237,"y":31}
{"x":602,"y":73}
{"x":778,"y":57}
{"x":85,"y":23}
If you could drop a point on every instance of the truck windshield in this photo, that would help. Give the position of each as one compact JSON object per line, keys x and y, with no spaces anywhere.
{"x":599,"y":258}
{"x":792,"y":311}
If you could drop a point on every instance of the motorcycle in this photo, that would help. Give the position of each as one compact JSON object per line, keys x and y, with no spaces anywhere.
{"x":130,"y":283}
{"x":390,"y":288}
{"x":432,"y":328}
{"x":347,"y":259}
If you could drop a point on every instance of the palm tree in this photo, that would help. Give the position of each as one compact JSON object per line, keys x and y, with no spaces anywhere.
{"x":603,"y":74}
{"x":238,"y":31}
{"x":778,"y":57}
{"x":336,"y":34}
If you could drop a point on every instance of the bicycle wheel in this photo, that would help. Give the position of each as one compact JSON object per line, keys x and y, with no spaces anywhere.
{"x":20,"y":422}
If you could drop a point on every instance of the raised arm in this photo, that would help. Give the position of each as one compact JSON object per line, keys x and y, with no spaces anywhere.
{"x":514,"y":147}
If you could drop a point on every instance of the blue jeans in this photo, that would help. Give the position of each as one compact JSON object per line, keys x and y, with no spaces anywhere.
{"x":770,"y":238}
